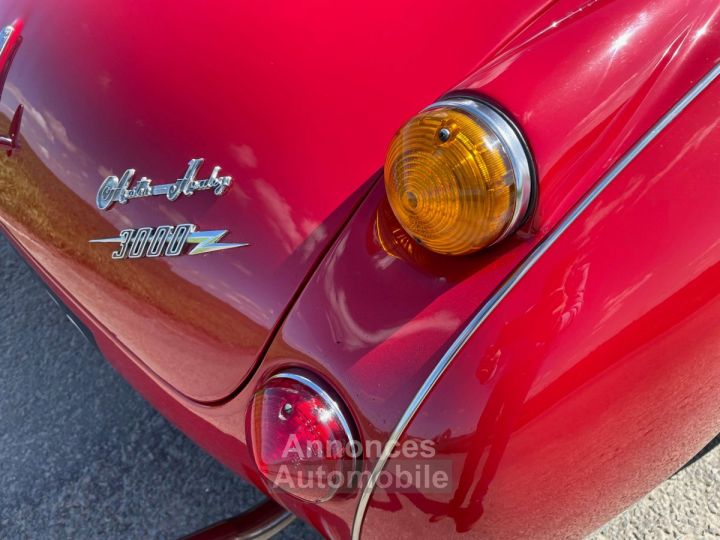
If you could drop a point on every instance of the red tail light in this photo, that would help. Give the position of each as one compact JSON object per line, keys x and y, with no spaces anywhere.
{"x":301,"y":439}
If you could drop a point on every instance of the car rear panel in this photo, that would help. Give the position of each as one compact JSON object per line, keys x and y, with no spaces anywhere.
{"x":295,"y":102}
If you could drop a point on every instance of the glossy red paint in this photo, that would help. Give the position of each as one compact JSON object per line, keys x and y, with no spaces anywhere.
{"x":295,"y":101}
{"x":596,"y":378}
{"x":380,"y":357}
{"x":427,"y":298}
{"x":316,"y":105}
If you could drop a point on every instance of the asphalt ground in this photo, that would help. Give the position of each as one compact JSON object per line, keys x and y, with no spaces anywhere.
{"x":84,"y":456}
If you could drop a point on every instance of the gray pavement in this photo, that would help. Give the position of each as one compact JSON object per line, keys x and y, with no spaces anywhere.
{"x":684,"y":506}
{"x":83,"y":456}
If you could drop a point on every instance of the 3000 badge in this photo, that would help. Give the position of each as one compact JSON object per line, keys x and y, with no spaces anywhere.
{"x":167,"y":241}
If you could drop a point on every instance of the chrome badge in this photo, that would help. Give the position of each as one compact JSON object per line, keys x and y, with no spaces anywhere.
{"x":117,"y":190}
{"x":166,"y":241}
{"x":5,"y":35}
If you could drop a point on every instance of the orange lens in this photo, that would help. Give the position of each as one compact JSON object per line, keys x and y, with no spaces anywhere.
{"x":457,"y":177}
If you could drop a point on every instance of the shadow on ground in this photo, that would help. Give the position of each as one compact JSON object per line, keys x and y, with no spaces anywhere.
{"x":81,"y":454}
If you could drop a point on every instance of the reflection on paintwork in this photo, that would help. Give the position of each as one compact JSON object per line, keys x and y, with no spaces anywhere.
{"x":92,"y":118}
{"x":370,"y":266}
{"x":596,"y":377}
{"x":624,"y":39}
{"x":317,"y":119}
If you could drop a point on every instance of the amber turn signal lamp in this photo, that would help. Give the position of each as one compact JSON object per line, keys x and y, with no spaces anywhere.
{"x":458,"y":177}
{"x":302,"y":440}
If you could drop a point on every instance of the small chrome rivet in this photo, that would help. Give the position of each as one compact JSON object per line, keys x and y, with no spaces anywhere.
{"x":287,"y":409}
{"x":444,"y":134}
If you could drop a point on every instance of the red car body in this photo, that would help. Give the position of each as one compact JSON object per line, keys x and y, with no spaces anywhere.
{"x":591,"y":379}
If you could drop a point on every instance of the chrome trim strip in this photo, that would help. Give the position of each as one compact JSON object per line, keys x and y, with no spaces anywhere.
{"x":261,"y":522}
{"x":272,"y":528}
{"x":510,"y":283}
{"x":5,"y":35}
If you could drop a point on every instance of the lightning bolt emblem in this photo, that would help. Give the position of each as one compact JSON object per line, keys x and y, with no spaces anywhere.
{"x":167,"y":241}
{"x":208,"y":241}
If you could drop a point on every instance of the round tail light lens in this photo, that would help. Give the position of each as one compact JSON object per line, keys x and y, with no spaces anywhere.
{"x":302,"y":441}
{"x":458,"y":177}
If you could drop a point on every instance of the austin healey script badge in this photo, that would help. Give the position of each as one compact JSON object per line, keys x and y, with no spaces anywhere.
{"x":165,"y":240}
{"x":118,"y":190}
